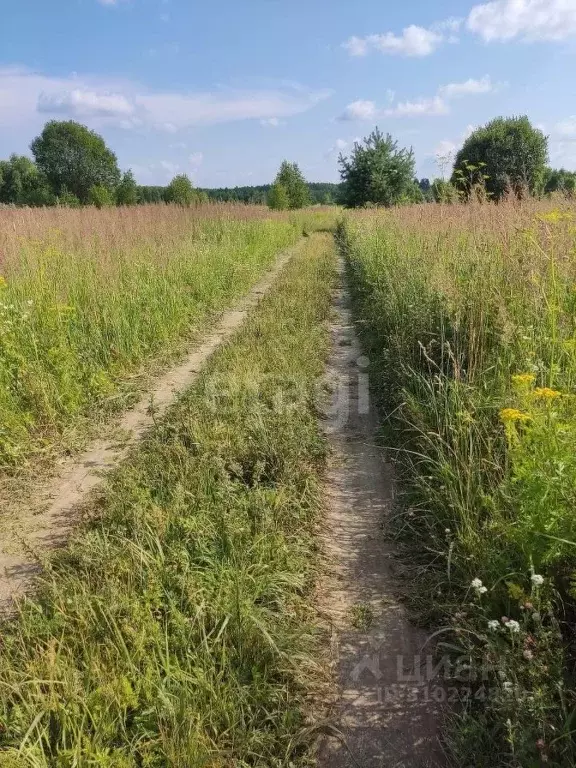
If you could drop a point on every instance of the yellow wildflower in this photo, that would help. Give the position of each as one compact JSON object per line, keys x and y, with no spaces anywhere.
{"x":2,"y":281}
{"x":513,"y":414}
{"x":546,"y":393}
{"x":524,"y":379}
{"x":555,"y":216}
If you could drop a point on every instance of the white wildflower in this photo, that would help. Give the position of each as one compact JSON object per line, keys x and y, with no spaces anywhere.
{"x":537,"y":580}
{"x":479,"y":587}
{"x":494,"y":625}
{"x":513,"y":626}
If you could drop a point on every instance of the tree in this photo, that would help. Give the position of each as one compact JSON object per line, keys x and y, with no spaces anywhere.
{"x":100,"y":196}
{"x":67,"y":200}
{"x":151,"y":194}
{"x":278,"y":197}
{"x":509,"y":153}
{"x":444,"y":192}
{"x":180,"y":191}
{"x":559,"y":181}
{"x":23,"y":184}
{"x":127,"y":190}
{"x":75,"y":159}
{"x":290,"y":177}
{"x":377,"y":172}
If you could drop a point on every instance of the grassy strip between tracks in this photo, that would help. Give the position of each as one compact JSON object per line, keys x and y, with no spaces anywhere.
{"x":174,"y":630}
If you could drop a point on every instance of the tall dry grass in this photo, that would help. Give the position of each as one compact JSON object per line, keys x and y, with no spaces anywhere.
{"x":87,"y":296}
{"x":469,"y":317}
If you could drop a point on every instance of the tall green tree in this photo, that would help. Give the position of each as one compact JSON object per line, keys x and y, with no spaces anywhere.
{"x":75,"y":159}
{"x":377,"y":172}
{"x":180,"y":191}
{"x":127,"y":190}
{"x":290,"y":177}
{"x":507,"y":154}
{"x":278,"y":197}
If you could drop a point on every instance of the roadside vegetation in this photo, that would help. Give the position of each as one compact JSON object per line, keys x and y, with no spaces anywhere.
{"x":175,"y":629}
{"x":467,"y":315}
{"x":87,"y":297}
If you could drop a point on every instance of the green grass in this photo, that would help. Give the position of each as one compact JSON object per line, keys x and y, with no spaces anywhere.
{"x":467,"y":315}
{"x":84,"y":305}
{"x":175,"y":630}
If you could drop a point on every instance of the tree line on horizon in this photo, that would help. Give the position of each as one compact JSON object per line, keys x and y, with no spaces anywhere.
{"x":72,"y":166}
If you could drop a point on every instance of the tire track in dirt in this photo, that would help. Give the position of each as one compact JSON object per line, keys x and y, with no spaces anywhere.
{"x":48,"y":519}
{"x":384,"y":714}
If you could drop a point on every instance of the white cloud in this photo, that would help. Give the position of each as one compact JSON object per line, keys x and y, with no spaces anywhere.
{"x":360,"y":110}
{"x":79,"y":102}
{"x":271,"y":122}
{"x":452,"y":25}
{"x":27,"y":98}
{"x":413,"y":41}
{"x":445,"y":148}
{"x":339,"y":146}
{"x":437,"y":105}
{"x":357,"y":46}
{"x":470,"y":87}
{"x":171,"y":169}
{"x":528,"y":20}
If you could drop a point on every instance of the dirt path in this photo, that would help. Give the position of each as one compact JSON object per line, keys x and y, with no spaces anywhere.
{"x":386,"y":715}
{"x":47,"y":520}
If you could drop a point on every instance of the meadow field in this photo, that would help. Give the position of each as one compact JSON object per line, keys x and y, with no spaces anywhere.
{"x":468,"y":315}
{"x":179,"y":626}
{"x":176,"y":629}
{"x":89,"y":297}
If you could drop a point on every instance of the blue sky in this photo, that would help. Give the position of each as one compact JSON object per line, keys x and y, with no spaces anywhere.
{"x":225,"y":90}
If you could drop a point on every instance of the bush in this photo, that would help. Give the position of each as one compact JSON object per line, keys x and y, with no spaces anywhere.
{"x":101,"y":197}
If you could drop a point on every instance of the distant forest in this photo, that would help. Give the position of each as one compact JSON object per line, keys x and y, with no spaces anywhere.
{"x":320,"y":193}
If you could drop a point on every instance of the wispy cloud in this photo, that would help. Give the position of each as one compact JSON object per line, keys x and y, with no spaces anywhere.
{"x":436,"y":105}
{"x":470,"y":87}
{"x":85,"y":103}
{"x":271,"y":122}
{"x":124,"y":104}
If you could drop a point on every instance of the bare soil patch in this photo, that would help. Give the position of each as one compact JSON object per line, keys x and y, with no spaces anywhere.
{"x":385,"y":713}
